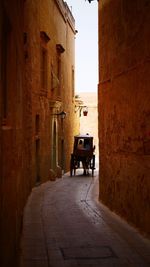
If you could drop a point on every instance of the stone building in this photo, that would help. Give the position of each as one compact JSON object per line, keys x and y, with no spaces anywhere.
{"x":15,"y":169}
{"x":89,"y":123}
{"x":124,"y":109}
{"x":49,"y":32}
{"x":36,"y":85}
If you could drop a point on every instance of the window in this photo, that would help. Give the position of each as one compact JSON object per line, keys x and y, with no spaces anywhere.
{"x":43,"y":61}
{"x":59,"y":72}
{"x":43,"y":69}
{"x":60,"y":50}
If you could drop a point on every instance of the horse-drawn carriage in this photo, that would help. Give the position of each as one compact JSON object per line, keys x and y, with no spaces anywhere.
{"x":83,"y":152}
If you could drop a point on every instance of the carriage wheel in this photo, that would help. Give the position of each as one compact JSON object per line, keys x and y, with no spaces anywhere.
{"x":70,"y":171}
{"x":92,"y":172}
{"x":93,"y":165}
{"x":72,"y":165}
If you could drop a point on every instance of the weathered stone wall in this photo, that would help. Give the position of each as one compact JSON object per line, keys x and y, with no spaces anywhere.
{"x":14,"y":135}
{"x":55,"y":20}
{"x":58,"y":22}
{"x":25,"y":116}
{"x":68,"y":96}
{"x":124,"y":109}
{"x":39,"y":100}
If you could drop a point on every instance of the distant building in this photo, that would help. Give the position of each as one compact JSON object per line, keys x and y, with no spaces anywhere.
{"x":89,"y":123}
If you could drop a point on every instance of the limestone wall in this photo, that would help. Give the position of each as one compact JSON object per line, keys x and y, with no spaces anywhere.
{"x":54,"y":20}
{"x":124,"y":109}
{"x":14,"y":137}
{"x":31,"y":35}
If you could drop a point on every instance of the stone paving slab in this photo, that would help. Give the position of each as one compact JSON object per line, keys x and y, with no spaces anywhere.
{"x":66,"y":226}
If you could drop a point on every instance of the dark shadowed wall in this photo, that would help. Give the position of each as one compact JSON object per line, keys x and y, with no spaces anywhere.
{"x":124,"y":109}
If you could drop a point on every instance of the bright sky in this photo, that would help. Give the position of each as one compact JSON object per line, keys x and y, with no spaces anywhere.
{"x":86,"y":21}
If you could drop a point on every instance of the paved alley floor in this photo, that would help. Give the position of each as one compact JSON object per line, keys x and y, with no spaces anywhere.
{"x":65,"y":226}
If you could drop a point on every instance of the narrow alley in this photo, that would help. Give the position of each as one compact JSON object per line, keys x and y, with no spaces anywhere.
{"x":47,"y":218}
{"x":66,"y":226}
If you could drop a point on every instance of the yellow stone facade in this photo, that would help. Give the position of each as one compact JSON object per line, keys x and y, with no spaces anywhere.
{"x":37,"y":82}
{"x":124,"y":109}
{"x":50,"y":31}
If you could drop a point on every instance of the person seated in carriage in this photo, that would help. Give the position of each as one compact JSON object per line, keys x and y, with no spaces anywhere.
{"x":80,"y":144}
{"x":84,"y":145}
